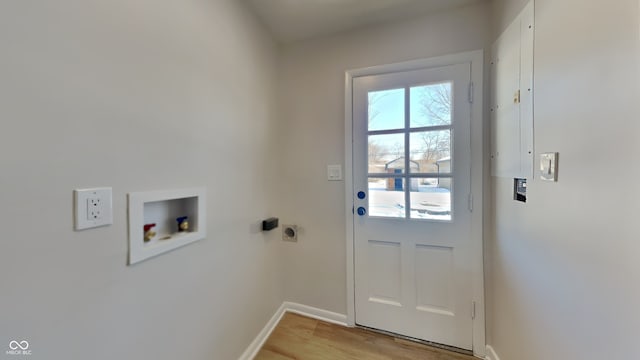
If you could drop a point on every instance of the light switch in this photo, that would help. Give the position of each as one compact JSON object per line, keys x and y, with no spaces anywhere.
{"x":334,"y":172}
{"x":549,"y":166}
{"x":93,"y":208}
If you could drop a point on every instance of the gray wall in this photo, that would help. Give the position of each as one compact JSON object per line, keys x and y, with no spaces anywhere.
{"x":563,"y":267}
{"x":137,"y":95}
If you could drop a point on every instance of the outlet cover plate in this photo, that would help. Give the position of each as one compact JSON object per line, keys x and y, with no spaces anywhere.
{"x":93,"y":208}
{"x":290,"y":233}
{"x":334,"y":172}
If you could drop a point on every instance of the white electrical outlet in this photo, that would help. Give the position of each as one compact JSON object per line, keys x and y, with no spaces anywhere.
{"x":93,"y":208}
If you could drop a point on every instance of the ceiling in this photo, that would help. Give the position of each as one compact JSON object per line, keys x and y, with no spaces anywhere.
{"x":293,"y":20}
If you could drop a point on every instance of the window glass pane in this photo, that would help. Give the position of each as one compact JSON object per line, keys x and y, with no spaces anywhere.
{"x":431,"y":198}
{"x":386,"y":109}
{"x":386,"y":197}
{"x":431,"y":152}
{"x":386,"y":154}
{"x":431,"y":105}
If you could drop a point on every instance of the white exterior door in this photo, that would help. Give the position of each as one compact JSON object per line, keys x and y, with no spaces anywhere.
{"x":411,"y":196}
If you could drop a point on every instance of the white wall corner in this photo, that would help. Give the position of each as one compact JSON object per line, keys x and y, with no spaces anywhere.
{"x":263,"y":335}
{"x":315,"y":313}
{"x":491,"y":354}
{"x":304,"y":310}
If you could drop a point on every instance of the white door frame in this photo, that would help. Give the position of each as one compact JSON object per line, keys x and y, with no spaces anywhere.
{"x":476,"y":58}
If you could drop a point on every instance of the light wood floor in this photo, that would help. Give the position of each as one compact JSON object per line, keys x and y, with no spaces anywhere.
{"x":299,"y":337}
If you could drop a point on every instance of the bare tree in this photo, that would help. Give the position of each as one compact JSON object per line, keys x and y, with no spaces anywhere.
{"x":436,"y":145}
{"x":372,"y":111}
{"x":377,"y":152}
{"x":436,"y":103}
{"x":397,"y":150}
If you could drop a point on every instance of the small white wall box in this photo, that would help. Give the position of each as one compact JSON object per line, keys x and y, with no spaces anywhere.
{"x":162,"y":208}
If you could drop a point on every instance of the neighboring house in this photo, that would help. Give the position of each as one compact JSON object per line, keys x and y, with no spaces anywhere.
{"x":397,"y":166}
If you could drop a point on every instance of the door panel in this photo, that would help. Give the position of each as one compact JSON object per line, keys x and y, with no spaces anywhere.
{"x":385,"y":268}
{"x":434,"y":279}
{"x":411,"y":157}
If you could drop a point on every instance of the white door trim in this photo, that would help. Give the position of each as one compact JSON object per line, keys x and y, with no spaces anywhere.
{"x":476,"y":58}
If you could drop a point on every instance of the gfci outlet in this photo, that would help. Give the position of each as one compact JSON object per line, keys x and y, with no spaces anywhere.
{"x":93,"y":208}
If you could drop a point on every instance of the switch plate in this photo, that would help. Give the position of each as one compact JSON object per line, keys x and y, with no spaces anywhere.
{"x":334,"y":172}
{"x":93,"y":208}
{"x":549,"y":166}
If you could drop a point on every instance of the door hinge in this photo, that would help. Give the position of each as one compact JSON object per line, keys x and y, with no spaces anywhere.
{"x":470,"y":202}
{"x":473,"y":310}
{"x":471,"y":92}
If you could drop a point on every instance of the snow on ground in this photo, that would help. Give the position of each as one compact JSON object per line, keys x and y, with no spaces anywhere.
{"x":429,"y":202}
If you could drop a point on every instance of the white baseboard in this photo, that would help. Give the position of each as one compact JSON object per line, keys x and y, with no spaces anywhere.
{"x":315,"y":313}
{"x":491,"y":354}
{"x":309,"y":311}
{"x":263,"y":335}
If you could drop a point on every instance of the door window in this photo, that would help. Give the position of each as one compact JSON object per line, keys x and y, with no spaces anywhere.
{"x":410,"y":142}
